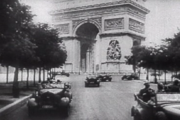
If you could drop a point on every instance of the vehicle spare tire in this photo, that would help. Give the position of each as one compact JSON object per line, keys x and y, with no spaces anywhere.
{"x":160,"y":115}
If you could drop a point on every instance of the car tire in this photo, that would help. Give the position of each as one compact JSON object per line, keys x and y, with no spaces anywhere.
{"x":31,"y":111}
{"x":67,"y":111}
{"x":137,"y":117}
{"x":160,"y":115}
{"x":110,"y":80}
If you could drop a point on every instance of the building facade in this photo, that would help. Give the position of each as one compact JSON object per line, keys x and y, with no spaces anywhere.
{"x":98,"y":34}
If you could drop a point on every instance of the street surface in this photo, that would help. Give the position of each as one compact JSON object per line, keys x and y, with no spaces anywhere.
{"x":111,"y":101}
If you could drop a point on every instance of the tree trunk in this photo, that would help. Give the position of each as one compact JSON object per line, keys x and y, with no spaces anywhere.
{"x":39,"y":74}
{"x":165,"y":76}
{"x":159,"y":75}
{"x":22,"y":74}
{"x":15,"y":89}
{"x":147,"y":75}
{"x":7,"y":74}
{"x":155,"y":76}
{"x":50,"y":73}
{"x":27,"y":80}
{"x":43,"y":74}
{"x":139,"y":72}
{"x":34,"y":76}
{"x":47,"y":73}
{"x":134,"y":68}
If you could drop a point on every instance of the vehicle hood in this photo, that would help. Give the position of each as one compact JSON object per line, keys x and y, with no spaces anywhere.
{"x":54,"y":91}
{"x":173,"y":109}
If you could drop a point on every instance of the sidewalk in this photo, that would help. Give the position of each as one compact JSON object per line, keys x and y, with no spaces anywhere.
{"x":10,"y":107}
{"x":6,"y":97}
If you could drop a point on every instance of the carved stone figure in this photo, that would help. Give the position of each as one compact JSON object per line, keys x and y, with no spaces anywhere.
{"x":114,"y":50}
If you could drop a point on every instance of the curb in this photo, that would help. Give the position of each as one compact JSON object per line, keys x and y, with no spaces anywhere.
{"x":7,"y":110}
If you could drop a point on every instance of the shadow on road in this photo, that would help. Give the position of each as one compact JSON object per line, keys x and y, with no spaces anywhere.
{"x":48,"y":114}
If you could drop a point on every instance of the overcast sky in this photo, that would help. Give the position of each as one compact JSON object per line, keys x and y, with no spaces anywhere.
{"x":162,"y":21}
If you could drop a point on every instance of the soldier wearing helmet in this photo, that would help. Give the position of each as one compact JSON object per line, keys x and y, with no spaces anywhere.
{"x":146,"y":93}
{"x":175,"y":86}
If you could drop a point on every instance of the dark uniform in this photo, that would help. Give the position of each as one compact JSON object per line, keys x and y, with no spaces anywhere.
{"x":146,"y":93}
{"x":175,"y":87}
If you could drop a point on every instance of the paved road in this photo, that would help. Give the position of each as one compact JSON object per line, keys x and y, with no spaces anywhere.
{"x":111,"y":101}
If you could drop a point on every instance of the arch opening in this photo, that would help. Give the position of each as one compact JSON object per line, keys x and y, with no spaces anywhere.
{"x":87,"y":34}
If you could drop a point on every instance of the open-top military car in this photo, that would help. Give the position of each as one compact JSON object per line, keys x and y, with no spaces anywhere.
{"x":92,"y":80}
{"x":104,"y":77}
{"x":48,"y":94}
{"x":164,"y":106}
{"x":132,"y":76}
{"x":59,"y":73}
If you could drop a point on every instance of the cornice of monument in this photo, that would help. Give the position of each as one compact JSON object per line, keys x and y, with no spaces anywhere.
{"x":121,"y":34}
{"x":77,"y":37}
{"x":102,"y":5}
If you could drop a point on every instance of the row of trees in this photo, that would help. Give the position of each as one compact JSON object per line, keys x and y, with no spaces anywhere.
{"x":163,"y":57}
{"x":24,"y":44}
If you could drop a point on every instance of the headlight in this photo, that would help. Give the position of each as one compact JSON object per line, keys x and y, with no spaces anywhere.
{"x":65,"y":101}
{"x":36,"y":93}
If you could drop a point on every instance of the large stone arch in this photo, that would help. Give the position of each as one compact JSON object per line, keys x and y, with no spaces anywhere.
{"x":122,"y":20}
{"x":86,"y":34}
{"x":78,"y":23}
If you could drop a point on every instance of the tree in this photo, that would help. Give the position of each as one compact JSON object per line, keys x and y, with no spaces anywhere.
{"x":14,"y":33}
{"x":24,"y":44}
{"x":49,"y":51}
{"x":134,"y":59}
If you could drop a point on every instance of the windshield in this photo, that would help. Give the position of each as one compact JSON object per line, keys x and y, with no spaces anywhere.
{"x":170,"y":97}
{"x":53,"y":86}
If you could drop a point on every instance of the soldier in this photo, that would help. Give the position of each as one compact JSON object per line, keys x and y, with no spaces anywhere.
{"x":160,"y":87}
{"x":146,"y":93}
{"x":175,"y":86}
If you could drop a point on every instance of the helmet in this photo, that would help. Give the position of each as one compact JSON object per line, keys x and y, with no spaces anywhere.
{"x":176,"y":82}
{"x":146,"y":84}
{"x":160,"y":86}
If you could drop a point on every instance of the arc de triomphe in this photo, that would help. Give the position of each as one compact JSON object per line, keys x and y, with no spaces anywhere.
{"x":99,"y":33}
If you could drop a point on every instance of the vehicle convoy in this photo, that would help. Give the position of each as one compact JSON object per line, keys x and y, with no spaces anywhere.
{"x":130,"y":77}
{"x":60,"y":73}
{"x":92,"y":80}
{"x":165,"y":105}
{"x":104,"y":77}
{"x":51,"y":94}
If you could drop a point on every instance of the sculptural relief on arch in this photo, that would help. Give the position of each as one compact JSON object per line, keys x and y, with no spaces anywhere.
{"x":98,"y":34}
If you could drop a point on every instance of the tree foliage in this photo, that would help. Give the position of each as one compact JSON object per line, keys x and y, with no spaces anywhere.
{"x":48,"y":48}
{"x":24,"y":44}
{"x":164,"y":57}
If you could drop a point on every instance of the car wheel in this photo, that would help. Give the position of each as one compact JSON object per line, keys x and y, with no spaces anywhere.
{"x":31,"y":111}
{"x":67,"y":111}
{"x":161,"y":116}
{"x":86,"y":84}
{"x":98,"y":84}
{"x":137,"y":117}
{"x":110,"y":80}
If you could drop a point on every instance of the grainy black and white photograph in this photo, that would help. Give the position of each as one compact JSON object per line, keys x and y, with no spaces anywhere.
{"x":90,"y":60}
